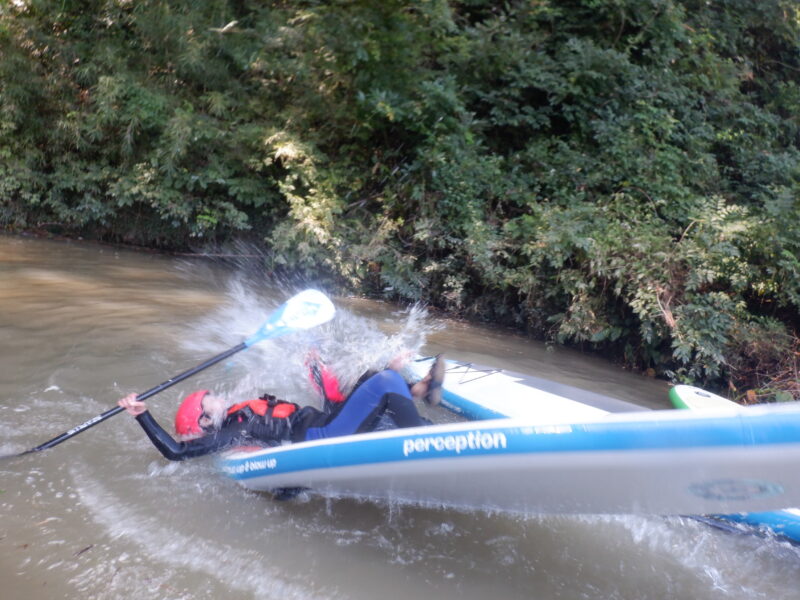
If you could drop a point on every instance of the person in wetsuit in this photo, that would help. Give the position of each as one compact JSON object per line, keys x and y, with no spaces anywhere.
{"x":207,"y":425}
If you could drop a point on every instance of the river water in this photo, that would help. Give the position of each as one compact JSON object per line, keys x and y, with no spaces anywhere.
{"x":104,"y":516}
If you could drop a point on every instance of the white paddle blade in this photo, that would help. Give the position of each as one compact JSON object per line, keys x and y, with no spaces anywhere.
{"x":303,"y":311}
{"x":308,"y":309}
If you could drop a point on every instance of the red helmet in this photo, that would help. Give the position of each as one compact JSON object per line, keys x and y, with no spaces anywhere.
{"x":188,"y":415}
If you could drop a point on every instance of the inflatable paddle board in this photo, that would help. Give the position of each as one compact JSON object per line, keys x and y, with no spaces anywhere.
{"x":694,"y":398}
{"x":653,"y":462}
{"x":479,"y":393}
{"x":784,"y":522}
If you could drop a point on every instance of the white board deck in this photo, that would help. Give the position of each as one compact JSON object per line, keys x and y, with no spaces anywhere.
{"x":654,"y":462}
{"x":480,"y":393}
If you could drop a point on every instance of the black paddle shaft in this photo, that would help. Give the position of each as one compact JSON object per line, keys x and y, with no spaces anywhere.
{"x":143,"y":396}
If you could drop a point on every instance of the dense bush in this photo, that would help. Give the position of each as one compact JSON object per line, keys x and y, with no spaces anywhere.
{"x":623,"y":174}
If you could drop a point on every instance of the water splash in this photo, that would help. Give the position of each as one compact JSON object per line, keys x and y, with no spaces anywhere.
{"x":349,"y":344}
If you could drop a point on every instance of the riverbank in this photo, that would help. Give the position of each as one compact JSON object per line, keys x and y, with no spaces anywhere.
{"x":616,"y":178}
{"x":771,"y":380}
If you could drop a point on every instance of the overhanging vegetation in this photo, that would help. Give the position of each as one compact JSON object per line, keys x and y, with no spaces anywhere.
{"x":618,"y":173}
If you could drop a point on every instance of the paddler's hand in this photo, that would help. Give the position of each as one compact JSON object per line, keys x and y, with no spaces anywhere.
{"x":132,"y":406}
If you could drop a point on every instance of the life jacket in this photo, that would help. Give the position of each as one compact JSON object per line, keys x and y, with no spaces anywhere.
{"x":267,"y":406}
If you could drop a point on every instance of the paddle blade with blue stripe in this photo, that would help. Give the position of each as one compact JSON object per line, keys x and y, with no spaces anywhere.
{"x":303,"y":311}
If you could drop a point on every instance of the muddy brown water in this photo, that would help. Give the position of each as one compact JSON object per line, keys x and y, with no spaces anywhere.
{"x":104,"y":516}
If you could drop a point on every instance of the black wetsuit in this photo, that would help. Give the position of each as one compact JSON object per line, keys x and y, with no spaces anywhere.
{"x":242,"y":428}
{"x":382,"y":393}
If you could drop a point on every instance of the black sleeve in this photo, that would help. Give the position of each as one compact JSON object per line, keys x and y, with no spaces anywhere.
{"x":270,"y":431}
{"x":173,"y":450}
{"x":306,"y":417}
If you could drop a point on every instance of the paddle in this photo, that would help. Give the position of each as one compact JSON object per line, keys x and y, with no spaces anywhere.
{"x":303,"y":311}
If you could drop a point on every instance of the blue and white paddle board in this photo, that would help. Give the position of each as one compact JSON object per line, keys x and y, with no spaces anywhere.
{"x":784,"y":522}
{"x":479,"y":393}
{"x":653,"y":462}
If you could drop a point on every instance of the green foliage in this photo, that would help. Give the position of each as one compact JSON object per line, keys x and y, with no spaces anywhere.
{"x":622,"y":174}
